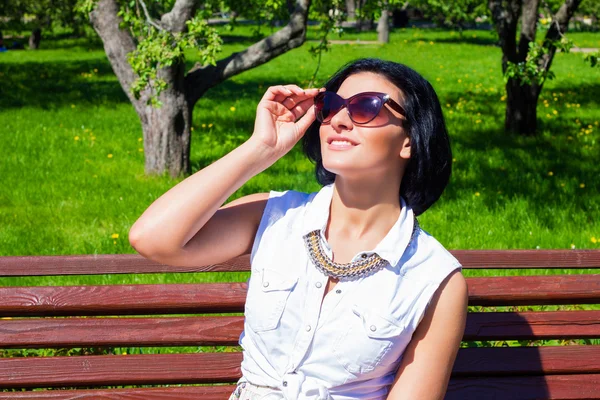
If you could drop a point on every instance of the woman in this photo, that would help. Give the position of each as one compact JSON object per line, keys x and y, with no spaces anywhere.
{"x":348,"y":298}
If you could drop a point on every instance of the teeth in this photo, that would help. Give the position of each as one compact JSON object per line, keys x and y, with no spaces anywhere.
{"x":341,"y":142}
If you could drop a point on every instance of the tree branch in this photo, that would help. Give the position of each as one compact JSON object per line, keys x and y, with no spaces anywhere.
{"x":200,"y":79}
{"x":175,"y":20}
{"x":148,"y":18}
{"x":528,"y":26}
{"x":505,"y":14}
{"x":118,"y":43}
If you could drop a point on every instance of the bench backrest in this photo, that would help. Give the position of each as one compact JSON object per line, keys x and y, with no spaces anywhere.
{"x":172,"y":315}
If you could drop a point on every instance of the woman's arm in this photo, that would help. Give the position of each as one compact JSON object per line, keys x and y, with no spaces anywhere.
{"x":428,"y":360}
{"x":185,"y":225}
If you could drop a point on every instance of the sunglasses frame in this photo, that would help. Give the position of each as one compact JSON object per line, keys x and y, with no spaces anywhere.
{"x":384,"y":98}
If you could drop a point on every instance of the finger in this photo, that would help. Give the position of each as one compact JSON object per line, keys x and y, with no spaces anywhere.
{"x":279,"y":111}
{"x":304,"y":123}
{"x":301,"y":108}
{"x":277,"y":93}
{"x":303,"y":94}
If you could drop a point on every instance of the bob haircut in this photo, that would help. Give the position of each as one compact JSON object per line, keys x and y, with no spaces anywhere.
{"x":428,"y":170}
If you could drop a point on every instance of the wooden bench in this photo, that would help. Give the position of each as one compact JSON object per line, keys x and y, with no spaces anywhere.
{"x":103,"y":316}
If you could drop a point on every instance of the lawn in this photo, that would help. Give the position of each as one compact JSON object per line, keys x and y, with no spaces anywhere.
{"x":73,"y":170}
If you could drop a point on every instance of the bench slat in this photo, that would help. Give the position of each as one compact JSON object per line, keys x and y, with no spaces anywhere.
{"x":208,"y":331}
{"x":173,"y":393}
{"x":552,"y":360}
{"x":225,"y":367}
{"x":134,"y":263}
{"x":103,"y":332}
{"x":532,"y":325}
{"x":122,"y":299}
{"x":550,"y":387}
{"x":120,"y":370}
{"x":230,"y":297}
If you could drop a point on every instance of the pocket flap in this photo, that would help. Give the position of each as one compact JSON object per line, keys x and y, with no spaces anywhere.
{"x":274,"y":280}
{"x":377,"y":326}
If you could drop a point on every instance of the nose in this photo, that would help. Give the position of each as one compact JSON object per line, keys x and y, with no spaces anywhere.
{"x":341,"y":121}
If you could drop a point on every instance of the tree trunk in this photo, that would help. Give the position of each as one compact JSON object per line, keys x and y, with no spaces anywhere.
{"x":35,"y":38}
{"x":383,"y":25}
{"x":167,"y":128}
{"x":521,"y":107}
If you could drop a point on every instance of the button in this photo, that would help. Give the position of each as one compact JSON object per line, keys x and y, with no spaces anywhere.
{"x":364,"y":256}
{"x":318,"y":284}
{"x":373,"y":328}
{"x":266,"y":284}
{"x":284,"y":383}
{"x":308,"y":328}
{"x":338,"y":291}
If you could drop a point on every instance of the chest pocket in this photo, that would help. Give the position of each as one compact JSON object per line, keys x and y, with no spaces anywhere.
{"x":370,"y":340}
{"x":268,"y":292}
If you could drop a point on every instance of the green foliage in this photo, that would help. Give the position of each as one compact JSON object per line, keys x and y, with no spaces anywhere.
{"x":593,"y":59}
{"x":454,"y":13}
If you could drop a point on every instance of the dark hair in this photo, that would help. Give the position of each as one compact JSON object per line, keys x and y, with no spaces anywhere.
{"x":428,"y":170}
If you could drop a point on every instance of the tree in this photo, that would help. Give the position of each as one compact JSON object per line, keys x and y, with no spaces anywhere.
{"x":145,"y":46}
{"x":453,"y":13}
{"x":526,"y":63}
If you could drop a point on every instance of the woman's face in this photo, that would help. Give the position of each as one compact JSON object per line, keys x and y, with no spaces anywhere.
{"x":378,"y":148}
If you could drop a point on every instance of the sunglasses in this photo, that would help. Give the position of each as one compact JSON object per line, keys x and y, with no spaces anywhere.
{"x":362,"y":107}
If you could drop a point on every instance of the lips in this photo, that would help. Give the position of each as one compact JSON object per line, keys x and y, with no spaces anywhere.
{"x":341,"y":140}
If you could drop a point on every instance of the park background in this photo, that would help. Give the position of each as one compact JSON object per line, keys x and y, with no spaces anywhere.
{"x":72,"y":164}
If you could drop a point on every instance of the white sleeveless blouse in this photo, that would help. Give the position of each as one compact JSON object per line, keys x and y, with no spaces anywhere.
{"x":352,"y":345}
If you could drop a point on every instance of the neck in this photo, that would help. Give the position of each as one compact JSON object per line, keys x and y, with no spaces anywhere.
{"x":363,"y":209}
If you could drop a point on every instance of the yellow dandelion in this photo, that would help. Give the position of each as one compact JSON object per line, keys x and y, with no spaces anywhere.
{"x":454,"y":160}
{"x":232,"y":108}
{"x":430,"y":42}
{"x":72,"y":105}
{"x":478,"y":121}
{"x":114,"y":242}
{"x":503,"y":98}
{"x":438,"y":79}
{"x":76,"y":138}
{"x":109,"y":156}
{"x":477,"y":194}
{"x":562,"y":185}
{"x":114,"y":236}
{"x":582,"y":185}
{"x":204,"y":125}
{"x":550,"y":173}
{"x":460,"y":80}
{"x":140,"y":150}
{"x":140,"y":139}
{"x":554,"y":112}
{"x":594,"y":240}
{"x":441,"y":66}
{"x":210,"y":125}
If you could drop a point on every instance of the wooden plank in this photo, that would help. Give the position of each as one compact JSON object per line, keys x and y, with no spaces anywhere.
{"x":534,"y":290}
{"x":143,"y":369}
{"x":105,"y":264}
{"x":122,"y":299}
{"x":550,"y":387}
{"x":532,"y":325}
{"x":547,"y":360}
{"x":103,"y":332}
{"x":225,"y":367}
{"x":510,"y":259}
{"x":221,"y":392}
{"x":197,"y":331}
{"x":134,"y":263}
{"x":230,"y":297}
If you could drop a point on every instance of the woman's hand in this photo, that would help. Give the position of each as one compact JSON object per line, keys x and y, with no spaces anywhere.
{"x":282,"y":117}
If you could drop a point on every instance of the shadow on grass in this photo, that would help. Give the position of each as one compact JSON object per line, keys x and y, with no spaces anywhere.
{"x":50,"y":85}
{"x":522,"y":165}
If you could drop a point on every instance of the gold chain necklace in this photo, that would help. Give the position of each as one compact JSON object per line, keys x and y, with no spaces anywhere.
{"x":368,"y":264}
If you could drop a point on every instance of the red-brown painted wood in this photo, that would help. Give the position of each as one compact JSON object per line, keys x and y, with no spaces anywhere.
{"x":122,"y":299}
{"x":534,"y":290}
{"x":221,"y":392}
{"x":230,"y":297}
{"x":102,"y":332}
{"x":532,"y":325}
{"x":120,"y":370}
{"x":546,"y":360}
{"x":550,"y":387}
{"x":224,"y":367}
{"x":195,"y":331}
{"x":134,"y":263}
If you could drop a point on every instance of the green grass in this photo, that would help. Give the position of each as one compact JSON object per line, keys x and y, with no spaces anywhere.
{"x":63,"y":113}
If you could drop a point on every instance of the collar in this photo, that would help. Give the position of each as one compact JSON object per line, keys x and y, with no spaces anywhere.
{"x":392,"y":246}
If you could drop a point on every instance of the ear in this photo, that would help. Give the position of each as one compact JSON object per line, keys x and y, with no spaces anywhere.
{"x":405,"y":150}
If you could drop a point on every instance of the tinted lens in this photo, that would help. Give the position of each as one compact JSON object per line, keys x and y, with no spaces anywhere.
{"x":364,"y":108}
{"x":327,"y":104}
